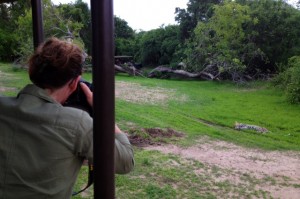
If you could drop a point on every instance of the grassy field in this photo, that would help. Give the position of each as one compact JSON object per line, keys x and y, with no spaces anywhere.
{"x":197,"y":109}
{"x":193,"y":105}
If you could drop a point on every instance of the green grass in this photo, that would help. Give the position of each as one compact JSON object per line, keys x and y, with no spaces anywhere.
{"x":168,"y":176}
{"x":220,"y":104}
{"x":12,"y":80}
{"x":208,"y":109}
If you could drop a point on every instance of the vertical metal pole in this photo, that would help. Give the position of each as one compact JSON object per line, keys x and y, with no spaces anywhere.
{"x":103,"y":80}
{"x":37,"y":22}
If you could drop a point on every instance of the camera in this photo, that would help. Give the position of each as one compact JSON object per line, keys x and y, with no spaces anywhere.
{"x":78,"y":99}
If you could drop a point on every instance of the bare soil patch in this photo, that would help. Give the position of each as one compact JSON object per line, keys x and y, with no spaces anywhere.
{"x":4,"y":76}
{"x":152,"y":136}
{"x":4,"y":89}
{"x":135,"y":93}
{"x":276,"y":173}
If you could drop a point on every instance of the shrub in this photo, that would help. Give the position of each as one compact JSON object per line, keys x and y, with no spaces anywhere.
{"x":293,"y":86}
{"x":289,"y":80}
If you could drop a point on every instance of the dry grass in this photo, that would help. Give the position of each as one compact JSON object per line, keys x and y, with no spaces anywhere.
{"x":135,"y":93}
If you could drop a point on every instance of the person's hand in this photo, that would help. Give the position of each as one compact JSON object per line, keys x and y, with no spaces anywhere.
{"x":117,"y":130}
{"x":88,"y":93}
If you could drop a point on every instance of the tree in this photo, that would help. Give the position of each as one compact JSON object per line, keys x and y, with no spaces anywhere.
{"x":79,"y":15}
{"x":122,"y":29}
{"x":54,"y":25}
{"x":277,"y":31}
{"x":221,"y":46}
{"x":18,"y":8}
{"x":67,"y":20}
{"x":124,"y":37}
{"x":25,"y":40}
{"x":158,"y":46}
{"x":9,"y":13}
{"x":245,"y":39}
{"x":5,"y":37}
{"x":197,"y":10}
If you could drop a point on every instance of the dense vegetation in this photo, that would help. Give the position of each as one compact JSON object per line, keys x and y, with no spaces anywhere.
{"x":234,"y":40}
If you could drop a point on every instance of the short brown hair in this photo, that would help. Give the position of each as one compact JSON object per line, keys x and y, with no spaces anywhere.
{"x":54,"y":63}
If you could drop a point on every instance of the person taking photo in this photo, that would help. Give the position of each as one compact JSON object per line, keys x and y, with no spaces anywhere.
{"x":43,"y":144}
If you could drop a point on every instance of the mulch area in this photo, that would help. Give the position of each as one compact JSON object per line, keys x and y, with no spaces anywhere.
{"x":152,"y":136}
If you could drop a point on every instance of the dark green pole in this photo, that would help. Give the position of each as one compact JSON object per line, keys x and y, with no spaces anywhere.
{"x":37,"y":22}
{"x":104,"y":98}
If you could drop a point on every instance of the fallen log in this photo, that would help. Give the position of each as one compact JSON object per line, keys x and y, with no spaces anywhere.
{"x":120,"y":69}
{"x":182,"y":73}
{"x":131,"y":70}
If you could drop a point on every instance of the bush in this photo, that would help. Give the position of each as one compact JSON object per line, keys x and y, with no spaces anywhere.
{"x":289,"y":80}
{"x":293,"y":86}
{"x":293,"y":93}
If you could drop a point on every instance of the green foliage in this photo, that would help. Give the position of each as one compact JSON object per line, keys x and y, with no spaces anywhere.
{"x":293,"y":89}
{"x":9,"y":13}
{"x":12,"y":36}
{"x":80,"y":13}
{"x":234,"y":40}
{"x":58,"y":22}
{"x":244,"y":39}
{"x":289,"y":80}
{"x":124,"y":38}
{"x":25,"y":40}
{"x":124,"y":46}
{"x":7,"y":45}
{"x":122,"y":29}
{"x":221,"y":43}
{"x":18,"y":8}
{"x":66,"y":21}
{"x":150,"y":47}
{"x":158,"y":46}
{"x":277,"y":32}
{"x":69,"y":21}
{"x":197,"y":11}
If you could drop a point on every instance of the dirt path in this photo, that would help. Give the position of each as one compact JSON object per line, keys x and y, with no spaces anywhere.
{"x":282,"y":169}
{"x":3,"y":77}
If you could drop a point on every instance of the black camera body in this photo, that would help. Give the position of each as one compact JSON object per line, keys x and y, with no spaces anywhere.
{"x":78,"y":99}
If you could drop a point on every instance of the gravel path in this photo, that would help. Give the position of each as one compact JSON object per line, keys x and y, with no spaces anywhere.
{"x":282,"y":167}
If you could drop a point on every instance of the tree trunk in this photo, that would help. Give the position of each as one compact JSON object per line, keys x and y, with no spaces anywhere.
{"x":180,"y":73}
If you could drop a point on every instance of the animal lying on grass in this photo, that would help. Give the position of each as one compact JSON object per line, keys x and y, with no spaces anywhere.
{"x":241,"y":126}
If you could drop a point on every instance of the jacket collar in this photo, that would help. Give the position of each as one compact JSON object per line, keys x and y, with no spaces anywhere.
{"x":36,"y":91}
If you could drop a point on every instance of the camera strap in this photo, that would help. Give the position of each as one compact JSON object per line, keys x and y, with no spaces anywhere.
{"x":90,"y":180}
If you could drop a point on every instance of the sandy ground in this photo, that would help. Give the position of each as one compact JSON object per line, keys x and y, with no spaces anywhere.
{"x":3,"y":88}
{"x":135,"y":93}
{"x":283,"y":167}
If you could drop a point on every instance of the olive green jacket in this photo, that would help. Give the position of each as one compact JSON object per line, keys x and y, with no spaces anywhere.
{"x":43,"y":145}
